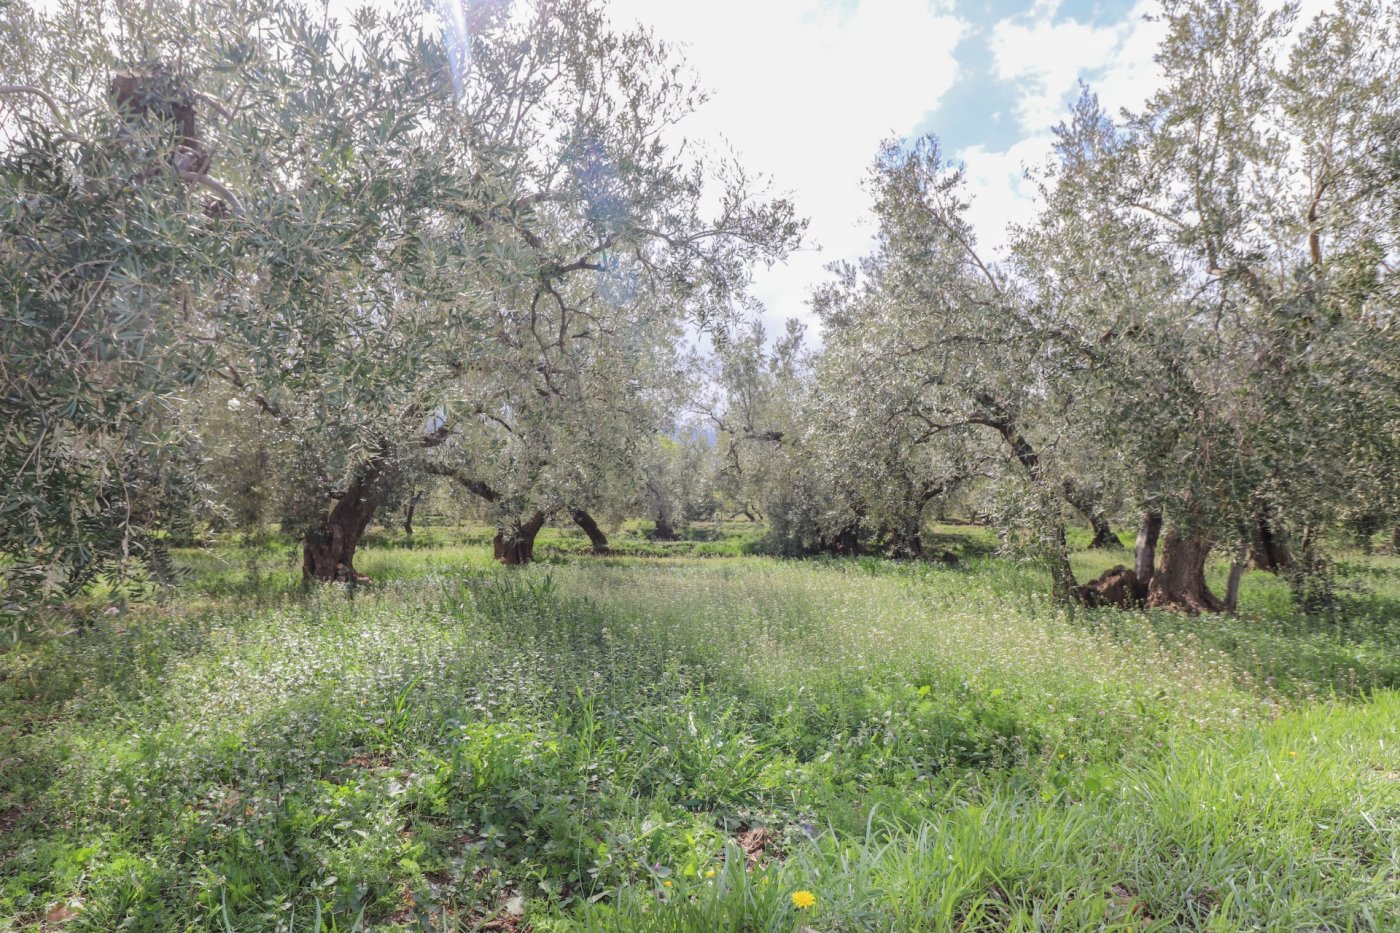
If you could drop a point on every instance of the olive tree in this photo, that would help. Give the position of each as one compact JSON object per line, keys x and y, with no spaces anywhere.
{"x":939,"y":353}
{"x":1224,"y":254}
{"x":616,"y":239}
{"x":115,"y":232}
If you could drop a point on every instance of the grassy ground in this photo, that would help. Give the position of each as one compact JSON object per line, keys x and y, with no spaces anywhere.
{"x":684,"y":744}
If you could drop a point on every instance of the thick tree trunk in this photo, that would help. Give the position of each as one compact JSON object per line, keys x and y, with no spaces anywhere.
{"x":1269,"y":551}
{"x":590,"y":528}
{"x":1395,"y":540}
{"x":665,"y":531}
{"x":903,"y":543}
{"x":515,"y":543}
{"x":1180,"y":580}
{"x":328,"y":552}
{"x":1145,"y":550}
{"x":845,"y":542}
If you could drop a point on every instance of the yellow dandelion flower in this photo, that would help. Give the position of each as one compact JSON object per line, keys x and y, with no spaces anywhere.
{"x":666,"y":883}
{"x":803,"y":899}
{"x":710,"y":873}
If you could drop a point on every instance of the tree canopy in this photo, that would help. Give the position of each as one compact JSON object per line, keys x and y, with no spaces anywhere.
{"x":258,"y":261}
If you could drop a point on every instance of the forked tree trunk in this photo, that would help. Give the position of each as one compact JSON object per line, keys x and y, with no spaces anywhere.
{"x":328,"y":552}
{"x":515,"y":543}
{"x":590,"y":528}
{"x":1180,"y":580}
{"x":1104,"y":538}
{"x":1145,"y":550}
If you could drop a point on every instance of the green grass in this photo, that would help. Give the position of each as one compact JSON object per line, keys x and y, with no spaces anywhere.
{"x":586,"y":744}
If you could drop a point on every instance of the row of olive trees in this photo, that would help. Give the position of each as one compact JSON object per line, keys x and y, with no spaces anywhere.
{"x":390,"y":246}
{"x":1200,"y":329}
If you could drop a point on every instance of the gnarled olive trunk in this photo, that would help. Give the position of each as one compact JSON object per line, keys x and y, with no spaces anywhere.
{"x":1145,"y":549}
{"x":665,"y":530}
{"x":328,"y":552}
{"x":845,"y":542}
{"x":515,"y":543}
{"x":590,"y":528}
{"x":1269,"y":551}
{"x":903,"y":542}
{"x":1104,"y":538}
{"x":1180,"y":580}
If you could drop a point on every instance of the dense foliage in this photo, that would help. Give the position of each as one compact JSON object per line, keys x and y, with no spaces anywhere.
{"x":408,"y":250}
{"x":479,"y":240}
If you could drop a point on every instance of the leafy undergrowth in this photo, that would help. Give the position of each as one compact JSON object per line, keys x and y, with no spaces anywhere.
{"x":670,"y":745}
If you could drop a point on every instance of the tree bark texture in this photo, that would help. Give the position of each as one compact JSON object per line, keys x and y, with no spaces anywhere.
{"x":328,"y":552}
{"x":596,"y":537}
{"x":514,"y":544}
{"x":1180,"y":580}
{"x":1145,"y":550}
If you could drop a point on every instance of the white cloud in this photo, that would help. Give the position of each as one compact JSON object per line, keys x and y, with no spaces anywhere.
{"x":1001,"y":193}
{"x":805,"y":94}
{"x":1048,"y":57}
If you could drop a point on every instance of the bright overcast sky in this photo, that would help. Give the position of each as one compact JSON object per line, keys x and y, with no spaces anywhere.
{"x":805,"y":90}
